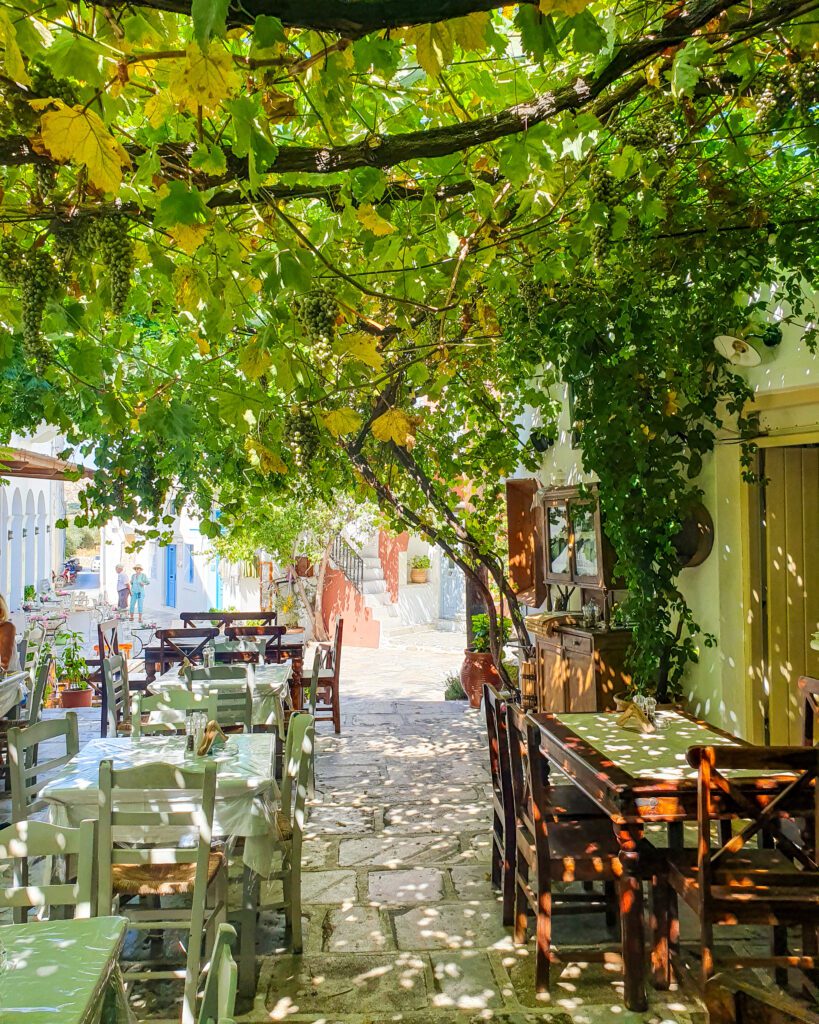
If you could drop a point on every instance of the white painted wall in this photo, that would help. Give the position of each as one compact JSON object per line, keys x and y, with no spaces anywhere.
{"x":30,"y":545}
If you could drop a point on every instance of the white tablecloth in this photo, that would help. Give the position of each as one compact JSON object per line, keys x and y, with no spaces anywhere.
{"x":269,"y":690}
{"x":12,"y":689}
{"x":246,"y":792}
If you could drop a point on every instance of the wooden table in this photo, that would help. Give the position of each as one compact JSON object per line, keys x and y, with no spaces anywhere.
{"x":64,"y":971}
{"x":636,"y":779}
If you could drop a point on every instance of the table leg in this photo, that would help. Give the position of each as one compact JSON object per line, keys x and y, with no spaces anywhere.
{"x":251,"y":884}
{"x":630,"y":894}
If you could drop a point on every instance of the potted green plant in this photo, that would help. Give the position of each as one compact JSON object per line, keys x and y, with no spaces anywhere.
{"x":419,"y":568}
{"x":478,"y":665}
{"x":72,"y":670}
{"x":29,"y":593}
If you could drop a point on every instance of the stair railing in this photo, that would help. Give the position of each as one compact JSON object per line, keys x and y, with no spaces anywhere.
{"x":349,"y":562}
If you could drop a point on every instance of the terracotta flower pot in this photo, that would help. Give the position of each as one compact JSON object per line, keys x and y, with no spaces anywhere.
{"x":419,"y":575}
{"x":76,"y":698}
{"x":477,"y":669}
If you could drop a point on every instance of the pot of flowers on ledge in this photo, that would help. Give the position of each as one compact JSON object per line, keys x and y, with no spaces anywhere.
{"x":478,"y":665}
{"x":419,"y":569}
{"x":72,"y":671}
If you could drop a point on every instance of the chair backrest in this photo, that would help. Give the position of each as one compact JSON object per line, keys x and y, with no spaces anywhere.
{"x":226,"y":619}
{"x":26,"y":780}
{"x":117,"y":694}
{"x":22,"y":651}
{"x":500,"y":769}
{"x":520,"y":778}
{"x":332,"y":658}
{"x":169,"y":710}
{"x":234,"y":705}
{"x":148,"y":816}
{"x":793,"y":771}
{"x":23,"y":842}
{"x":34,"y":705}
{"x":809,"y":689}
{"x":298,"y":756}
{"x":219,"y":994}
{"x":194,"y":641}
{"x":269,"y":638}
{"x":314,"y":678}
{"x":108,"y":638}
{"x":239,"y":673}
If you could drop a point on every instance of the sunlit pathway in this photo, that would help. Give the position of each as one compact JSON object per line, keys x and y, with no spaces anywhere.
{"x":401,"y":923}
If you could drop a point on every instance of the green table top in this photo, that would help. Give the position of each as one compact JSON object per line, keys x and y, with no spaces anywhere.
{"x":57,"y":970}
{"x":657,"y":755}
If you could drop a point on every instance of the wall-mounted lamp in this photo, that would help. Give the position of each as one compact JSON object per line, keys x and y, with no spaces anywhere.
{"x":48,"y":528}
{"x":25,"y":533}
{"x":36,"y":531}
{"x":10,"y":534}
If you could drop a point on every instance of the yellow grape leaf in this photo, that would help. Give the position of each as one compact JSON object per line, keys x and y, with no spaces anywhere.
{"x":159,"y":107}
{"x":394,"y":425}
{"x":341,"y":421}
{"x":203,"y":345}
{"x":189,"y":236}
{"x":652,"y":74}
{"x":267,"y":460}
{"x":79,"y":135}
{"x":254,"y":359}
{"x":204,"y":78}
{"x":433,"y":45}
{"x":15,"y":68}
{"x":470,"y":32}
{"x":371,"y":219}
{"x":362,"y":348}
{"x":567,"y":7}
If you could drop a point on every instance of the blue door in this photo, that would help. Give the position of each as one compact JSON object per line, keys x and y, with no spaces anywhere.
{"x":218,"y":582}
{"x":170,"y":575}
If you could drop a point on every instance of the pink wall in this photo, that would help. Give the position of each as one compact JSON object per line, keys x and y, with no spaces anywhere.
{"x":389,"y":548}
{"x":341,"y":599}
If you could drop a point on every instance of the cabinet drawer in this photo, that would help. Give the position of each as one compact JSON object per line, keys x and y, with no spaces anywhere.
{"x":575,"y":644}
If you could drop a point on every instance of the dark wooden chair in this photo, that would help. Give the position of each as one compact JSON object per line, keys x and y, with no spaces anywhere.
{"x":191,"y":645}
{"x":107,"y":647}
{"x":727,"y":883}
{"x":224,"y":620}
{"x":809,"y":689}
{"x":328,"y":702}
{"x":560,"y":837}
{"x":503,"y":808}
{"x":272,"y":634}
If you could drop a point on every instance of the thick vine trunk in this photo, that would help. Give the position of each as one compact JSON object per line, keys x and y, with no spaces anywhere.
{"x":321,"y":633}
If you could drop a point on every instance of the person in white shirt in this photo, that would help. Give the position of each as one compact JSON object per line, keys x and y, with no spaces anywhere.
{"x":123,"y":588}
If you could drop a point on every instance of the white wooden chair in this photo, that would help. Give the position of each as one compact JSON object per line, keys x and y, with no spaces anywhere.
{"x":23,"y":842}
{"x":117,"y":719}
{"x":141,"y":808}
{"x":291,"y":820}
{"x":219,"y":995}
{"x":25,"y":768}
{"x":234,"y":706}
{"x":169,"y":711}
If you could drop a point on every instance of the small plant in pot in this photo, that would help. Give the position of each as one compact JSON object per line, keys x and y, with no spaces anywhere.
{"x":72,"y":670}
{"x":478,"y":666}
{"x":419,"y":568}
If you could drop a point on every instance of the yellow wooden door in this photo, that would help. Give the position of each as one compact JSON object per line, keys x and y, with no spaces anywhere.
{"x":792,"y":578}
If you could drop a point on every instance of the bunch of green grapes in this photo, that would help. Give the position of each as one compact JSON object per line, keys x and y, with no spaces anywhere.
{"x":17,"y":112}
{"x":108,"y":239}
{"x":318,"y":312}
{"x":303,"y":436}
{"x":774,"y":102}
{"x":531,"y":294}
{"x":803,"y":79}
{"x":602,"y":189}
{"x":41,"y":282}
{"x":44,"y":83}
{"x":655,"y":130}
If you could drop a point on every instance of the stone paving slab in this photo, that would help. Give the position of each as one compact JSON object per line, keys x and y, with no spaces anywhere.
{"x":462,"y":925}
{"x":413,"y":885}
{"x":394,"y":851}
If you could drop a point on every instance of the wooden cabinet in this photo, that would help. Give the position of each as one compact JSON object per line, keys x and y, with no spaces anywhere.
{"x":580,"y":670}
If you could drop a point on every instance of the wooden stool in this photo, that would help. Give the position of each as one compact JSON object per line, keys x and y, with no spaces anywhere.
{"x":126,"y":650}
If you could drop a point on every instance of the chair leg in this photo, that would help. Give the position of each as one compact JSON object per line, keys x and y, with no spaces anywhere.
{"x":780,"y":948}
{"x":543,"y":938}
{"x":294,"y":901}
{"x":336,"y":707}
{"x":497,"y":865}
{"x":508,"y":880}
{"x":521,"y":926}
{"x":247,"y":936}
{"x":660,"y":955}
{"x":610,"y":896}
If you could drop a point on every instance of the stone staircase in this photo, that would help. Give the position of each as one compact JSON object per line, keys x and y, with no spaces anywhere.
{"x":374,"y":587}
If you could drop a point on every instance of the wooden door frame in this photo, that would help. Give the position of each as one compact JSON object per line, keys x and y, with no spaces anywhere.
{"x":755,"y":641}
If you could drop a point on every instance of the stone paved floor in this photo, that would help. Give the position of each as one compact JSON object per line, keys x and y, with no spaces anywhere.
{"x":401,"y":923}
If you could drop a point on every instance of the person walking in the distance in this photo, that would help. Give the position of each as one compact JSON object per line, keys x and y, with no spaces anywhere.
{"x":139,"y":581}
{"x":123,"y":589}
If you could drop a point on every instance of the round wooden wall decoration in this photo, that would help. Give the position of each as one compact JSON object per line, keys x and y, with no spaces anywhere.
{"x":696,"y":537}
